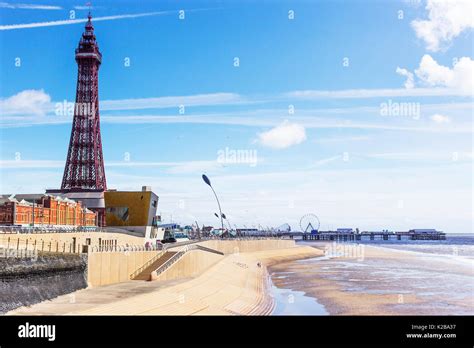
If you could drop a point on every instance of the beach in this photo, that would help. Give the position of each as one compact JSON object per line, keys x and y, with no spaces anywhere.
{"x":318,"y":278}
{"x":376,"y":280}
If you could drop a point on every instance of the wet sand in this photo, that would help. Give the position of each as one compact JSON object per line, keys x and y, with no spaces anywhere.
{"x":380,"y":281}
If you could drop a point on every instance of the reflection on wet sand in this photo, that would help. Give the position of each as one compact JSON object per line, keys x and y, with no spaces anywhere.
{"x":383,"y":281}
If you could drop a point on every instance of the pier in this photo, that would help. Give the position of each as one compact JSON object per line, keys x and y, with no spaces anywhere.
{"x":425,"y":234}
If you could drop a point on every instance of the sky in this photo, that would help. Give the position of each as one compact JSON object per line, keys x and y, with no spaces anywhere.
{"x":360,"y":112}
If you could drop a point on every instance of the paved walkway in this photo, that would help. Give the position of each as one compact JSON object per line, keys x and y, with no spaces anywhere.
{"x":235,"y":285}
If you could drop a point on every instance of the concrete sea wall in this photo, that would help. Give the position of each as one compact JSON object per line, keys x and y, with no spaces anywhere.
{"x":196,"y":262}
{"x":115,"y":267}
{"x":28,"y":280}
{"x":192,"y":263}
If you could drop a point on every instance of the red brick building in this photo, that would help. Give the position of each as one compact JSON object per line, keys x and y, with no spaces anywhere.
{"x":45,"y":210}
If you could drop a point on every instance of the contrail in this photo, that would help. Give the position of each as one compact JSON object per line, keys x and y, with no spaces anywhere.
{"x":75,"y":21}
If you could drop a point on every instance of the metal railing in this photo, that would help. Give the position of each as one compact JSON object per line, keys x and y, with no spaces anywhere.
{"x":124,"y":248}
{"x":16,"y":243}
{"x":203,"y":248}
{"x":168,"y":263}
{"x":147,"y":264}
{"x":179,"y":244}
{"x":173,"y":259}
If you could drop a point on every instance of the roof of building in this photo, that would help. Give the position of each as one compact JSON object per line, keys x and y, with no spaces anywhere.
{"x":7,"y":198}
{"x":88,"y":199}
{"x":29,"y":198}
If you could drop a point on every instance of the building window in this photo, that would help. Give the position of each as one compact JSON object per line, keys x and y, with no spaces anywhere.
{"x":121,"y":213}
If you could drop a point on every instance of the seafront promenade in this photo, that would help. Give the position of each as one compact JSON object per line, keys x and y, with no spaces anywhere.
{"x":236,"y":284}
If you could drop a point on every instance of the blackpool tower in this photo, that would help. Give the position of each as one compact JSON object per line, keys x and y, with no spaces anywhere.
{"x":84,"y":175}
{"x":84,"y":170}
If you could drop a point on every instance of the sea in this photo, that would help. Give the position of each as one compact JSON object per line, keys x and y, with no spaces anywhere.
{"x":455,"y":245}
{"x":438,"y":273}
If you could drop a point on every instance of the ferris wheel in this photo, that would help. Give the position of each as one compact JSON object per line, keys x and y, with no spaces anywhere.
{"x":309,"y":223}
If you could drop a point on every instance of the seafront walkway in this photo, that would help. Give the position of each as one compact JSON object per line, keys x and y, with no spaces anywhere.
{"x":236,"y":285}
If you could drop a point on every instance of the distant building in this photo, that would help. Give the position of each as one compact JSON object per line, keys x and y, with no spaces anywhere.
{"x":44,"y":210}
{"x":344,"y":230}
{"x":423,"y":230}
{"x":92,"y":200}
{"x":247,"y":231}
{"x":206,"y":230}
{"x":134,"y":211}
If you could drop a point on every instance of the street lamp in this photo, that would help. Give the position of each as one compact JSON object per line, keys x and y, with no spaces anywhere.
{"x":207,"y":181}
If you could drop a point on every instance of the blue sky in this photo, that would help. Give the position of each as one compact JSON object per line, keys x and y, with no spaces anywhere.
{"x":307,"y":105}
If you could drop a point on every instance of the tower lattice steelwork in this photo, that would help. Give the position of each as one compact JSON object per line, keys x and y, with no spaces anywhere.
{"x":84,"y":169}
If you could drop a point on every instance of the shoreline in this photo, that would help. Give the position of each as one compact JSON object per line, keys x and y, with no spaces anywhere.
{"x":236,"y":285}
{"x":383,"y":282}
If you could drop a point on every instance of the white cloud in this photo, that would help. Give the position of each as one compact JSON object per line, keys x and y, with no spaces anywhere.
{"x":438,"y":118}
{"x":409,"y":83}
{"x":282,"y":136}
{"x":38,"y":102}
{"x":460,"y":77}
{"x":29,"y":6}
{"x":29,"y":102}
{"x":432,"y":73}
{"x":446,"y":20}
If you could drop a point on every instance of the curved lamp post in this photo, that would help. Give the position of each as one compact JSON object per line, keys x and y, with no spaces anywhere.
{"x":207,"y":181}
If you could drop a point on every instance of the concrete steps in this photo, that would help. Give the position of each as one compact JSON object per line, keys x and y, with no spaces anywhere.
{"x":146,"y":273}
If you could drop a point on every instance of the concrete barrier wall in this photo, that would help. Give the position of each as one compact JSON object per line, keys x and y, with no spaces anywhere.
{"x":246,"y":246}
{"x":191,"y":264}
{"x":114,"y":267}
{"x":197,"y":261}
